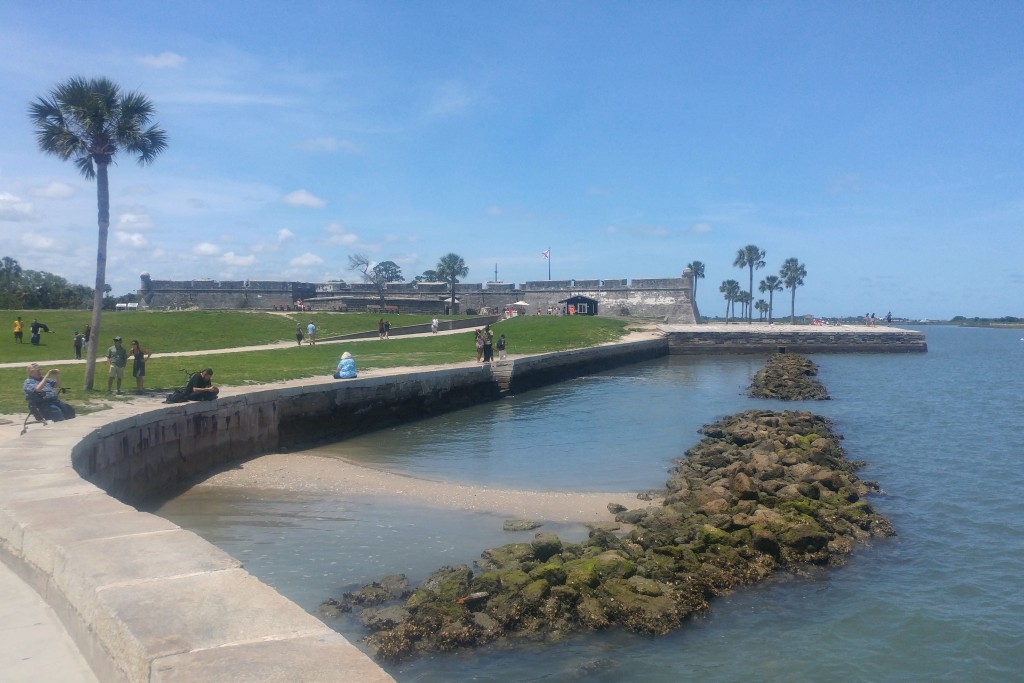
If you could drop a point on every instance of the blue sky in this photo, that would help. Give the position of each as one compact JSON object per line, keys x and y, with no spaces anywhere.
{"x":878,"y":142}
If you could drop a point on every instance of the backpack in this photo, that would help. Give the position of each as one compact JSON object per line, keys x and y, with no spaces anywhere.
{"x":176,"y":396}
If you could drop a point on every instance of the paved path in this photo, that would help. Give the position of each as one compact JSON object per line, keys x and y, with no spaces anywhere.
{"x":34,"y":646}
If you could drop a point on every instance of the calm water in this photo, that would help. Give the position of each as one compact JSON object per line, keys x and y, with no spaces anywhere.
{"x":943,"y":432}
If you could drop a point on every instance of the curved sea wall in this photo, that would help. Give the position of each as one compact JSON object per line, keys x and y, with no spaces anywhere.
{"x":148,"y":601}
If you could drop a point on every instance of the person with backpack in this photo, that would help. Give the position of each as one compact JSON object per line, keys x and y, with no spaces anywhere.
{"x":200,"y":387}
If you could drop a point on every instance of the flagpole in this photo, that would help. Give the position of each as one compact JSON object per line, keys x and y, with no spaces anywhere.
{"x":549,"y":264}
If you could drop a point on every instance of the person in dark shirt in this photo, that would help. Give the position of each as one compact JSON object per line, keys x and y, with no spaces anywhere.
{"x":200,"y":388}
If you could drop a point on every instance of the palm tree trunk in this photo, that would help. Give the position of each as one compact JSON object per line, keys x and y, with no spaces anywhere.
{"x":792,"y":307}
{"x":750,"y":290}
{"x":770,"y":297}
{"x":103,"y":218}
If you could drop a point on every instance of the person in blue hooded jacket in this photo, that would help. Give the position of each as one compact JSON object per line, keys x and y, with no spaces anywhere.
{"x":346,"y":367}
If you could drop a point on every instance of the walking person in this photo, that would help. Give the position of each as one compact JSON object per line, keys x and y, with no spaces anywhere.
{"x":139,"y":357}
{"x":479,"y":346}
{"x":488,"y":344}
{"x":387,"y":329}
{"x":298,"y":334}
{"x":311,"y":333}
{"x":501,"y":347}
{"x":78,"y":340}
{"x":19,"y":331}
{"x":117,"y":359}
{"x":380,"y":328}
{"x":433,"y":326}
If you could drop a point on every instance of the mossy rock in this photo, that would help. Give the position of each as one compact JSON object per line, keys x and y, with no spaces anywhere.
{"x":450,"y":583}
{"x":545,"y":545}
{"x":533,"y":594}
{"x":506,"y":556}
{"x":712,"y":535}
{"x":553,"y":573}
{"x":514,"y":579}
{"x":488,"y":581}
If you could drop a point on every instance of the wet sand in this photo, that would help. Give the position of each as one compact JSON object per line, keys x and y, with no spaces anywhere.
{"x":310,"y":473}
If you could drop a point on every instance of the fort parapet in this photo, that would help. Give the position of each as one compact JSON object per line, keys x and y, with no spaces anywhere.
{"x":666,"y":299}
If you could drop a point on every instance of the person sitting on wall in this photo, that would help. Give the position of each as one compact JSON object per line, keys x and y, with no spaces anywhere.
{"x":45,"y":391}
{"x":346,"y":367}
{"x":200,"y":388}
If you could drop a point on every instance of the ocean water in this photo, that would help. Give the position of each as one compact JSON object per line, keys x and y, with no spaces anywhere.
{"x":942,"y":432}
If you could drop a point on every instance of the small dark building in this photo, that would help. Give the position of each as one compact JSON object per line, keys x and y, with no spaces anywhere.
{"x":582,"y":305}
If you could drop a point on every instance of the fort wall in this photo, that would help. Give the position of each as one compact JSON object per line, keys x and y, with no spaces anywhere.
{"x":665,"y":299}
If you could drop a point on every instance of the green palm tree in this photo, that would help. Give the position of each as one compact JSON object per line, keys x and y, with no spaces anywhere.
{"x":450,"y":268}
{"x":750,"y":256}
{"x":697,"y":268}
{"x":771,"y":284}
{"x":762,"y":308}
{"x":89,"y":121}
{"x":730,"y":289}
{"x":792,"y":274}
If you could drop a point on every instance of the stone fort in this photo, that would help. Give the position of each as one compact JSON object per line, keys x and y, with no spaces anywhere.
{"x":667,"y":299}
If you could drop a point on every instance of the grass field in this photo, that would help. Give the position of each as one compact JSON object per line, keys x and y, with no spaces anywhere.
{"x":211,"y":332}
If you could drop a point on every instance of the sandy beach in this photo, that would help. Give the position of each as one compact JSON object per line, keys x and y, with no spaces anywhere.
{"x":310,"y":473}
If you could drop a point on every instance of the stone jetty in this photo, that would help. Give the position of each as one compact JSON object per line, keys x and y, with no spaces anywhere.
{"x":788,"y":377}
{"x":762,"y":491}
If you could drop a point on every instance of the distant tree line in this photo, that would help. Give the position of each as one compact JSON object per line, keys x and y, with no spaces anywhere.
{"x":22,"y":289}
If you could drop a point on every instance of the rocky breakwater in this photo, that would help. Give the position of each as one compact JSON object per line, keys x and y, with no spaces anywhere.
{"x":762,"y":491}
{"x":788,"y":377}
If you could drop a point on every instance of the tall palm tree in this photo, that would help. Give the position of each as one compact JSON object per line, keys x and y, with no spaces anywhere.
{"x":89,"y":121}
{"x":730,"y":289}
{"x":450,"y":268}
{"x":750,"y":256}
{"x":697,"y":268}
{"x":792,"y":274}
{"x":771,"y":284}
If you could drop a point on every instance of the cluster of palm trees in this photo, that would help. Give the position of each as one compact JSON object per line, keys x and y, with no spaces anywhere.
{"x":791,"y":275}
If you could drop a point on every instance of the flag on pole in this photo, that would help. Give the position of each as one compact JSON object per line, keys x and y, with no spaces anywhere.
{"x":546,"y":253}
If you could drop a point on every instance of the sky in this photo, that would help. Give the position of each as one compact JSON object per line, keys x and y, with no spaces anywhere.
{"x":880,"y":143}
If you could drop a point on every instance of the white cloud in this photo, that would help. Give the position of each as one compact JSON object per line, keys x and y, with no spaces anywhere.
{"x":233,"y":259}
{"x":134,"y":220}
{"x":14,"y":209}
{"x":700,"y":227}
{"x":130,"y":239}
{"x":164,"y":60}
{"x":206,"y":249}
{"x":495,"y":210}
{"x":304,"y":198}
{"x":306,"y":259}
{"x":611,"y":229}
{"x":284,"y":234}
{"x":34,"y":241}
{"x":340,"y":235}
{"x":54,"y":190}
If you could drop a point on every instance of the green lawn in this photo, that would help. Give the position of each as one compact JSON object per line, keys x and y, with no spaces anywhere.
{"x":527,"y":334}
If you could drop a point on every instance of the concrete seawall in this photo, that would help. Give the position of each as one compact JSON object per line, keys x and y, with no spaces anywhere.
{"x":740,"y":338}
{"x":147,"y":601}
